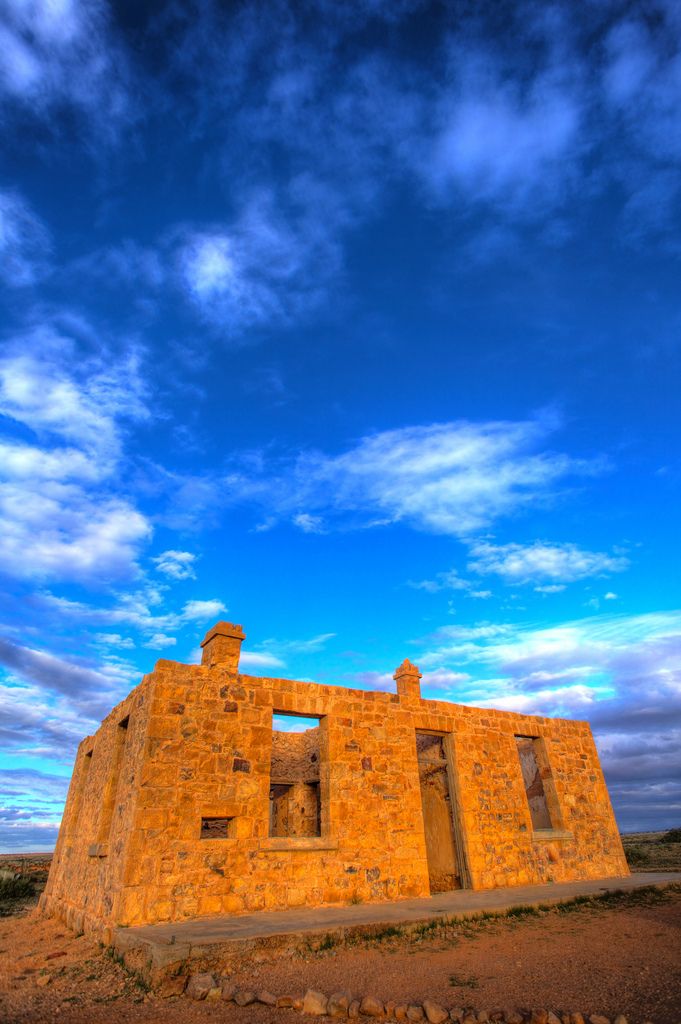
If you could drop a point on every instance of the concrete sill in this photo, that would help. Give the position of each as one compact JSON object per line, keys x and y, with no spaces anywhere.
{"x":551,"y":835}
{"x":98,"y":850}
{"x":276,"y":843}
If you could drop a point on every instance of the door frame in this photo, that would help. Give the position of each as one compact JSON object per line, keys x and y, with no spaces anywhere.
{"x":448,"y":744}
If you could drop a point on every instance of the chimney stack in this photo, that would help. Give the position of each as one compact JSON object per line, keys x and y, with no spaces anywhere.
{"x":222,"y":646}
{"x":407,"y":678}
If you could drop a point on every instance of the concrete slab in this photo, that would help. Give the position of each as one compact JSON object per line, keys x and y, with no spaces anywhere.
{"x":211,"y":931}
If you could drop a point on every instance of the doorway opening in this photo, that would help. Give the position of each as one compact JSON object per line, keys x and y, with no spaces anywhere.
{"x":444,"y":867}
{"x":295,"y":797}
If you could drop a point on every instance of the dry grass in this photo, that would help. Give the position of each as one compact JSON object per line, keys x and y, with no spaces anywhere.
{"x":652,"y":851}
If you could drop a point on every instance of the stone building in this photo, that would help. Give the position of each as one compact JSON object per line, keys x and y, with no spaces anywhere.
{"x":187,"y":803}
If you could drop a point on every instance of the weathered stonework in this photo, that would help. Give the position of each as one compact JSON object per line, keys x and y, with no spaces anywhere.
{"x":191,"y":752}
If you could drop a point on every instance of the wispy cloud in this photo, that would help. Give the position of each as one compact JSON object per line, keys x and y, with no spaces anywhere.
{"x":24,"y":242}
{"x":145,"y":611}
{"x":47,"y":671}
{"x":274,"y":653}
{"x":451,"y":478}
{"x":503,"y":141}
{"x":271,"y":263}
{"x":61,"y":512}
{"x":544,"y":564}
{"x":62,"y":54}
{"x":178,"y":565}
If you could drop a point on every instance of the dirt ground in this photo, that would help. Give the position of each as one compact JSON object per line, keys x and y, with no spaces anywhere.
{"x":622,"y":957}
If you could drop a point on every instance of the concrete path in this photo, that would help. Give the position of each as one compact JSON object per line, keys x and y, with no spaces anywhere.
{"x":208,"y":931}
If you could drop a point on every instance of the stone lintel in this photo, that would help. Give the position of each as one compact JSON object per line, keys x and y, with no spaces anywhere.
{"x":293,"y":843}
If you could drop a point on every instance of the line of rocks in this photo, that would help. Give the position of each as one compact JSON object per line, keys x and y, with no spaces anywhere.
{"x":343,"y":1005}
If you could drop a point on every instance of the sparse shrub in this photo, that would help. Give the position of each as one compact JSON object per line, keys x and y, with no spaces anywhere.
{"x":16,"y":887}
{"x":456,"y":982}
{"x":637,"y":856}
{"x":673,"y":836}
{"x":391,"y":932}
{"x":523,"y":910}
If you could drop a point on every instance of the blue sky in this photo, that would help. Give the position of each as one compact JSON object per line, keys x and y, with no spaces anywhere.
{"x":356,"y":324}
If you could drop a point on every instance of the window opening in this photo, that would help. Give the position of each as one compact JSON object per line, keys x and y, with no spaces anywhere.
{"x":80,"y":791}
{"x":217,"y":828}
{"x":112,"y":785}
{"x":534,"y":787}
{"x":295,"y":800}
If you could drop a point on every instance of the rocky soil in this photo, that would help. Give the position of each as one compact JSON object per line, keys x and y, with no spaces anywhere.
{"x":596,"y":959}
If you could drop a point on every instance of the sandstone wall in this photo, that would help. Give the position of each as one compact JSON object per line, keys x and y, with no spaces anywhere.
{"x":200,"y":745}
{"x":88,"y":867}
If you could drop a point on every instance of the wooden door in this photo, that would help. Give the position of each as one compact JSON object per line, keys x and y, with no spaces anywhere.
{"x":438,"y":824}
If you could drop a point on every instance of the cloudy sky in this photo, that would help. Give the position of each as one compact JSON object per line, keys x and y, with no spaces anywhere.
{"x":354,"y":323}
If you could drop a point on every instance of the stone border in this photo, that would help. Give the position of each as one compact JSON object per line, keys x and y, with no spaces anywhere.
{"x":342,"y":1005}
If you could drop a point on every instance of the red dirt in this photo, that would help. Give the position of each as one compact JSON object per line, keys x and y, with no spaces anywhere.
{"x":623,"y":959}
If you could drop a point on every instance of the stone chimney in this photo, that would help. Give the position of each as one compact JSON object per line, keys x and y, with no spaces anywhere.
{"x":222,"y":646}
{"x":407,"y":678}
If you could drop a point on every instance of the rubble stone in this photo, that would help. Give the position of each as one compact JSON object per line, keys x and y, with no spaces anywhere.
{"x":227,"y":988}
{"x":267,"y":999}
{"x":315,"y":1003}
{"x":435,"y":1014}
{"x":200,"y":985}
{"x":371,"y":1007}
{"x":244,"y":997}
{"x":339,"y":1004}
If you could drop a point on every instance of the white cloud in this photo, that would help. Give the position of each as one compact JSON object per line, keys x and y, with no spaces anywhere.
{"x":449,"y":580}
{"x":308,"y":523}
{"x":445,"y":680}
{"x":178,"y":565}
{"x":208,"y":266}
{"x":115,"y":640}
{"x":61,"y":532}
{"x":273,"y":653}
{"x":202,"y":611}
{"x":503,"y":142}
{"x":24,"y":242}
{"x":60,"y":53}
{"x":451,"y":478}
{"x":538,"y":562}
{"x":159,"y":640}
{"x":375,"y":681}
{"x":48,"y":671}
{"x":136,"y":610}
{"x":272,"y":262}
{"x":259,"y":660}
{"x":60,"y":515}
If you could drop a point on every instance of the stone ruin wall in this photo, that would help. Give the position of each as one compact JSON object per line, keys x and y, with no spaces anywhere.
{"x":200,"y":744}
